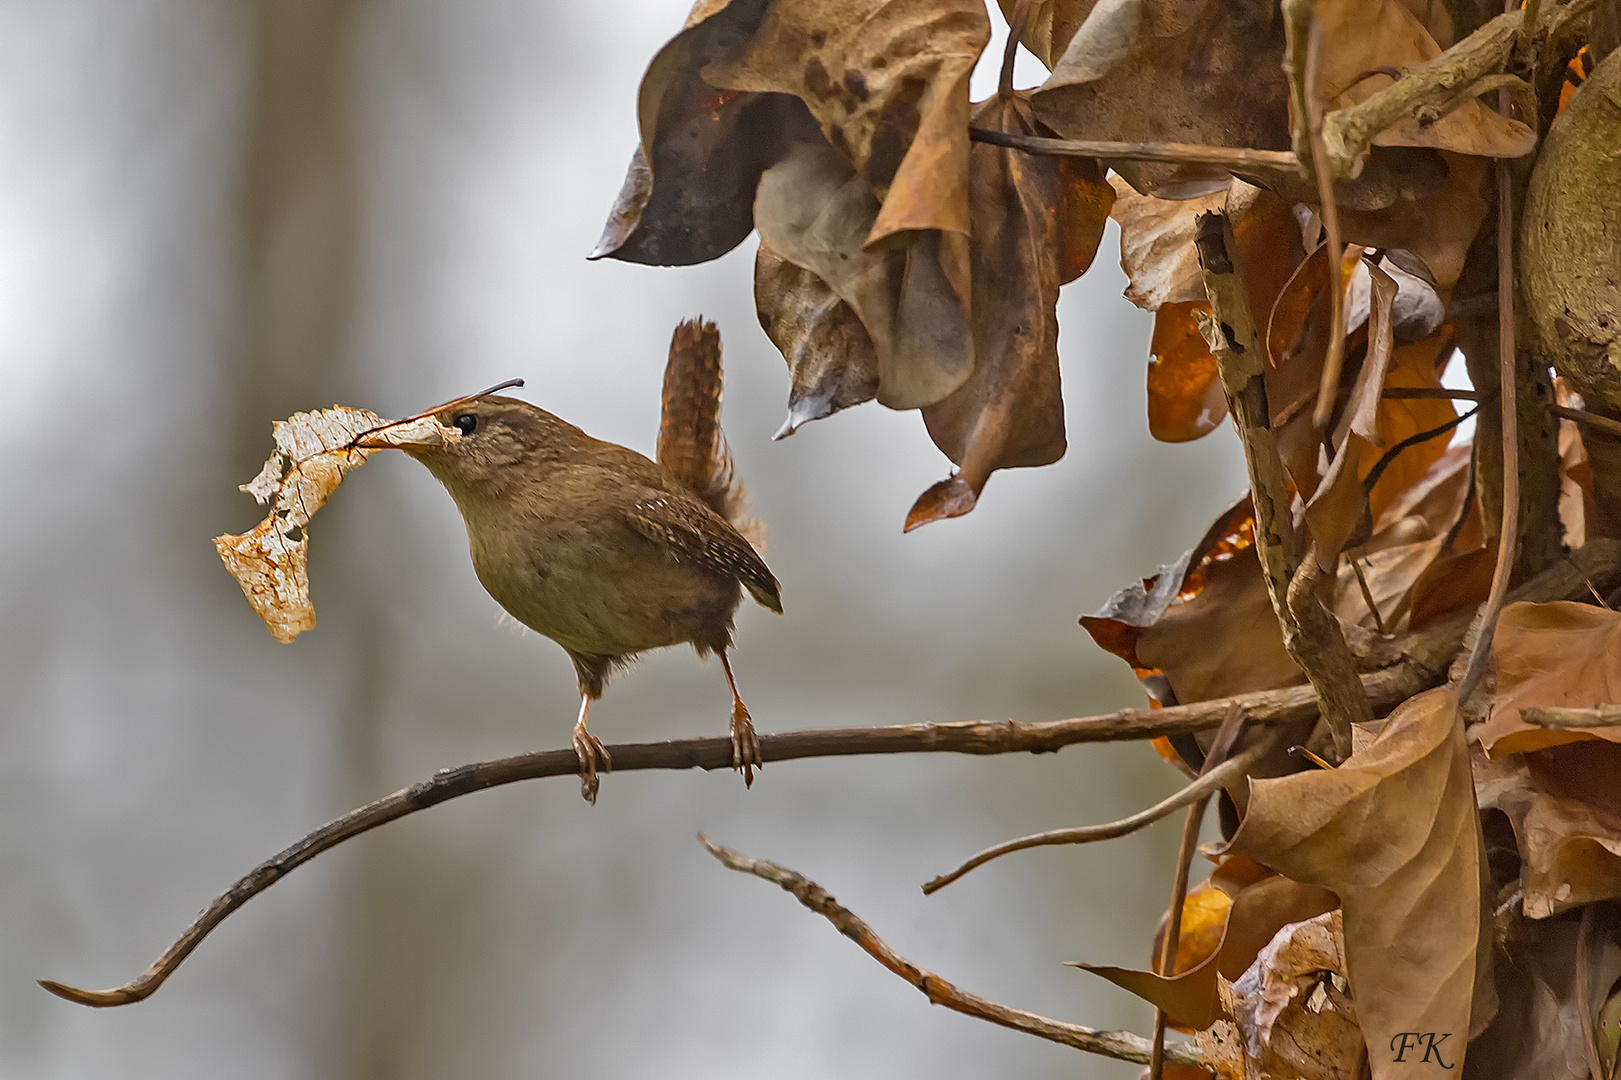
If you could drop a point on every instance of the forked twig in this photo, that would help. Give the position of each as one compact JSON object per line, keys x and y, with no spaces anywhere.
{"x":1312,"y":636}
{"x":1207,"y":784}
{"x":1120,"y":1045}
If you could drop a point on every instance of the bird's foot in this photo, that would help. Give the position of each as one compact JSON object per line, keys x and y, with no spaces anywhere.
{"x":745,"y":744}
{"x":590,"y":750}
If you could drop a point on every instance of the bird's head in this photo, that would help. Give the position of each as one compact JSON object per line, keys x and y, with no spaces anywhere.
{"x":484,"y":444}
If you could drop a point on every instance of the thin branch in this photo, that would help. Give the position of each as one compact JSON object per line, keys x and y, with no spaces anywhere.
{"x":1367,"y":595}
{"x":1588,"y":419}
{"x":1305,"y":47}
{"x":1404,"y":677}
{"x":1263,"y":162}
{"x":1407,"y":665}
{"x":1207,"y":784}
{"x":1173,"y":925}
{"x":1232,"y":725}
{"x":1444,"y":393}
{"x":1408,"y":443}
{"x":1433,"y":88}
{"x":1015,"y":31}
{"x":1120,"y":1045}
{"x":1508,"y":537}
{"x":1556,"y":718}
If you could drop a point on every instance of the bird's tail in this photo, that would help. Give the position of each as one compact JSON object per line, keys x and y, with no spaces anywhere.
{"x":691,"y":445}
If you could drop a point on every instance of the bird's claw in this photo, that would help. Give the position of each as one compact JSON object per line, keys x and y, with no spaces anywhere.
{"x":590,"y":750}
{"x":745,"y":744}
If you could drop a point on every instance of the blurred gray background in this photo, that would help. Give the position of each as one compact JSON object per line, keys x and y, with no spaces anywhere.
{"x":216,"y":212}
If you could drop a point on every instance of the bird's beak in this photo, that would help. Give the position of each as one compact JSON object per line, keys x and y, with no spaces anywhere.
{"x":417,"y":433}
{"x":422,"y":431}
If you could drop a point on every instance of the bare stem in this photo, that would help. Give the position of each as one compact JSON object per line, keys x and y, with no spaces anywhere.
{"x":1508,"y":537}
{"x":1556,"y":718}
{"x":1265,"y":162}
{"x":1205,"y":786}
{"x":1305,"y":48}
{"x":1120,"y":1045}
{"x":1015,"y":31}
{"x":1165,"y":964}
{"x":1592,"y":420}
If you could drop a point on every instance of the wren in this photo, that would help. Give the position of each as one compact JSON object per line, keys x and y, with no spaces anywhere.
{"x":602,"y":550}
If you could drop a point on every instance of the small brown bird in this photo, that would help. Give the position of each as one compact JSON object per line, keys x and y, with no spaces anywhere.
{"x":603,"y":551}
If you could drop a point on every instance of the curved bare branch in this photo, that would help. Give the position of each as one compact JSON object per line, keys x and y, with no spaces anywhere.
{"x":1121,"y":1045}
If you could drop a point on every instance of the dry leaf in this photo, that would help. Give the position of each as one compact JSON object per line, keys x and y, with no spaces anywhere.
{"x":1563,"y":654}
{"x":1421,"y":564}
{"x":815,"y":212}
{"x":1198,"y":71}
{"x":1185,"y":397}
{"x":1538,"y":1033}
{"x":689,"y":192}
{"x":1049,"y":25}
{"x":1434,"y":220}
{"x":1337,"y":505}
{"x":832,"y":127}
{"x":1186,"y":400}
{"x":1036,"y":225}
{"x":1565,"y":807}
{"x":1191,"y":997}
{"x":1202,"y":628}
{"x":1361,"y":37}
{"x":314,"y":452}
{"x":1291,"y":1008}
{"x":832,"y":363}
{"x":1394,"y":832}
{"x":1156,"y":245}
{"x":888,"y":82}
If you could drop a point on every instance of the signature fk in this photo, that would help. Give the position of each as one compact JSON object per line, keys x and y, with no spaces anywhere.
{"x":1412,"y":1041}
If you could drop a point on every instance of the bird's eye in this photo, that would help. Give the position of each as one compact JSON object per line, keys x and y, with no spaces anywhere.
{"x":467,"y":422}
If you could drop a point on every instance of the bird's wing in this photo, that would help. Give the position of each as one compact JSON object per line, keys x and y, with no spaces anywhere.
{"x":691,"y":446}
{"x":692,"y":532}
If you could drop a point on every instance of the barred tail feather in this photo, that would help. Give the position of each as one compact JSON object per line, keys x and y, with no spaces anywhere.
{"x":691,"y":446}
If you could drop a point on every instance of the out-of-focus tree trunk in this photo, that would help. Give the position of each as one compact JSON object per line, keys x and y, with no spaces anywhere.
{"x":304,"y":259}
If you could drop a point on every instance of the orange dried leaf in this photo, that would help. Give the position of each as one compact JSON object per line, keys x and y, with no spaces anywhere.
{"x":1185,"y":396}
{"x":1191,"y":997}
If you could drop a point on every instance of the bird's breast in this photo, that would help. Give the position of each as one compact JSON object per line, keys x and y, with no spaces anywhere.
{"x":598,"y":589}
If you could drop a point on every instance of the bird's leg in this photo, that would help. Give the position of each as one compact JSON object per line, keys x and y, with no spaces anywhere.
{"x":745,"y":744}
{"x":591,"y":751}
